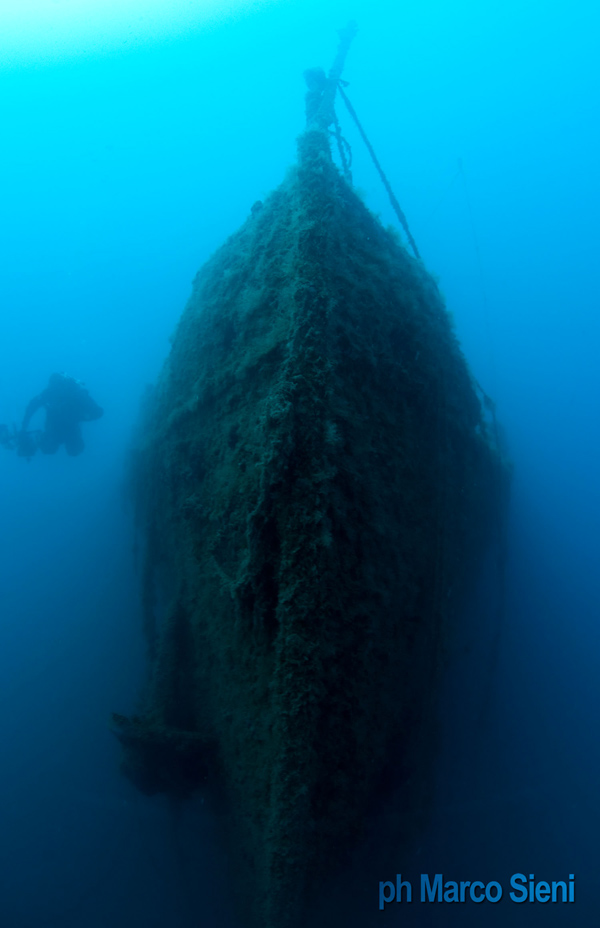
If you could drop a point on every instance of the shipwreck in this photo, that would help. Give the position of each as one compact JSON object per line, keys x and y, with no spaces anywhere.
{"x":315,"y":479}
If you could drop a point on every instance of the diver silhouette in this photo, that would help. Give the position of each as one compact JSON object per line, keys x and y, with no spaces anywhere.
{"x":67,"y":404}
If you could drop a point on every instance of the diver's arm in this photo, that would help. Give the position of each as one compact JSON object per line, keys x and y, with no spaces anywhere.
{"x":91,"y":410}
{"x":36,"y":403}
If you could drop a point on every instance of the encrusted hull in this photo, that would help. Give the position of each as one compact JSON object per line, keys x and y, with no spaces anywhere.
{"x":315,"y":484}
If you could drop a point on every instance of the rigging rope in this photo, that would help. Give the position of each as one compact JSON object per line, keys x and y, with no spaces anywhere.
{"x":344,"y":150}
{"x":386,"y":183}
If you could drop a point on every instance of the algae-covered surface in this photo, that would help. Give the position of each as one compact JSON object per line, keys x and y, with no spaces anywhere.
{"x":315,"y":485}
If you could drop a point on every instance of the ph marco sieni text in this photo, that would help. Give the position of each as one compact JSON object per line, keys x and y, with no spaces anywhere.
{"x":433,"y":888}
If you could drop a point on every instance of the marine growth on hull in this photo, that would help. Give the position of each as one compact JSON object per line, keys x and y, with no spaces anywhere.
{"x":315,"y":485}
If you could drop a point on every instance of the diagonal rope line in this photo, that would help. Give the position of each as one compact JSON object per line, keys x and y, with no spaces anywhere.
{"x":395,"y":205}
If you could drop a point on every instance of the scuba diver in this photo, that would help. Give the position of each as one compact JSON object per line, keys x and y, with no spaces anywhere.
{"x":67,"y":404}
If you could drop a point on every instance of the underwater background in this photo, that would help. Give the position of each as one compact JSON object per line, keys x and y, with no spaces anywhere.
{"x":135,"y":139}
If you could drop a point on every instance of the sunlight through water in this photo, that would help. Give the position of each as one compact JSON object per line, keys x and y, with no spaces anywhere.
{"x":36,"y":31}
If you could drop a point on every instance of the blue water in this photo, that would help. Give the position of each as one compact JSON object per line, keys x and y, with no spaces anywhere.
{"x":127,"y":157}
